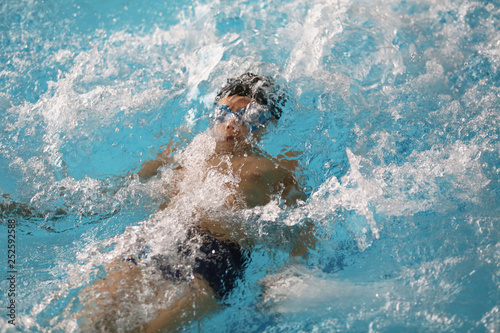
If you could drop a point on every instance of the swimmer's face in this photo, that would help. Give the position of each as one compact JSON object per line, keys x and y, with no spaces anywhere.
{"x":232,"y":127}
{"x":235,"y":116}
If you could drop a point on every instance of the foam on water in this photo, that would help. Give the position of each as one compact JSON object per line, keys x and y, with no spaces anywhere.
{"x":393,"y":106}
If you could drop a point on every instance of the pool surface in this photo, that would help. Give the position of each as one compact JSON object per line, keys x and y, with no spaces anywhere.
{"x":393,"y":108}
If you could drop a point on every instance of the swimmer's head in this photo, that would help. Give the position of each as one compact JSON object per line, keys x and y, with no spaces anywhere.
{"x":246,"y":104}
{"x":259,"y":88}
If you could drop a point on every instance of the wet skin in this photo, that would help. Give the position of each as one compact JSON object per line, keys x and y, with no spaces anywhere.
{"x":260,"y":178}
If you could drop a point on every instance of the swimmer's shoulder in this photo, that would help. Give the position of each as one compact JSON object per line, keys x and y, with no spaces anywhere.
{"x":256,"y":165}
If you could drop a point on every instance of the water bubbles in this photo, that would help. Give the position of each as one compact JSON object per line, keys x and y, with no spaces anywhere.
{"x":400,"y":97}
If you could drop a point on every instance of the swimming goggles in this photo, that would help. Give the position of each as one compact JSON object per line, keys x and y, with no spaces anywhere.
{"x":254,"y":115}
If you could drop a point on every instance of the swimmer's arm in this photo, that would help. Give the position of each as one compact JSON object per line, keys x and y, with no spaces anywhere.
{"x":292,"y":194}
{"x":298,"y":240}
{"x":288,"y":164}
{"x":21,"y":210}
{"x":150,"y":168}
{"x":302,"y":237}
{"x":288,"y":159}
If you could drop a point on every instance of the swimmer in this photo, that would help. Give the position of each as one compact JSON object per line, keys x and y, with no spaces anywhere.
{"x":243,"y":108}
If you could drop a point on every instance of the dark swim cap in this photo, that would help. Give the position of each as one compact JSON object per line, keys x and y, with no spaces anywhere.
{"x":259,"y":87}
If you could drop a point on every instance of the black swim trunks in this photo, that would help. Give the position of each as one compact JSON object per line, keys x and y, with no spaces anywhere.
{"x":220,"y":262}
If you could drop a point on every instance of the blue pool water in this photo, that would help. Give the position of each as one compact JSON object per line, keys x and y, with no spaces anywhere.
{"x":394,"y":107}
